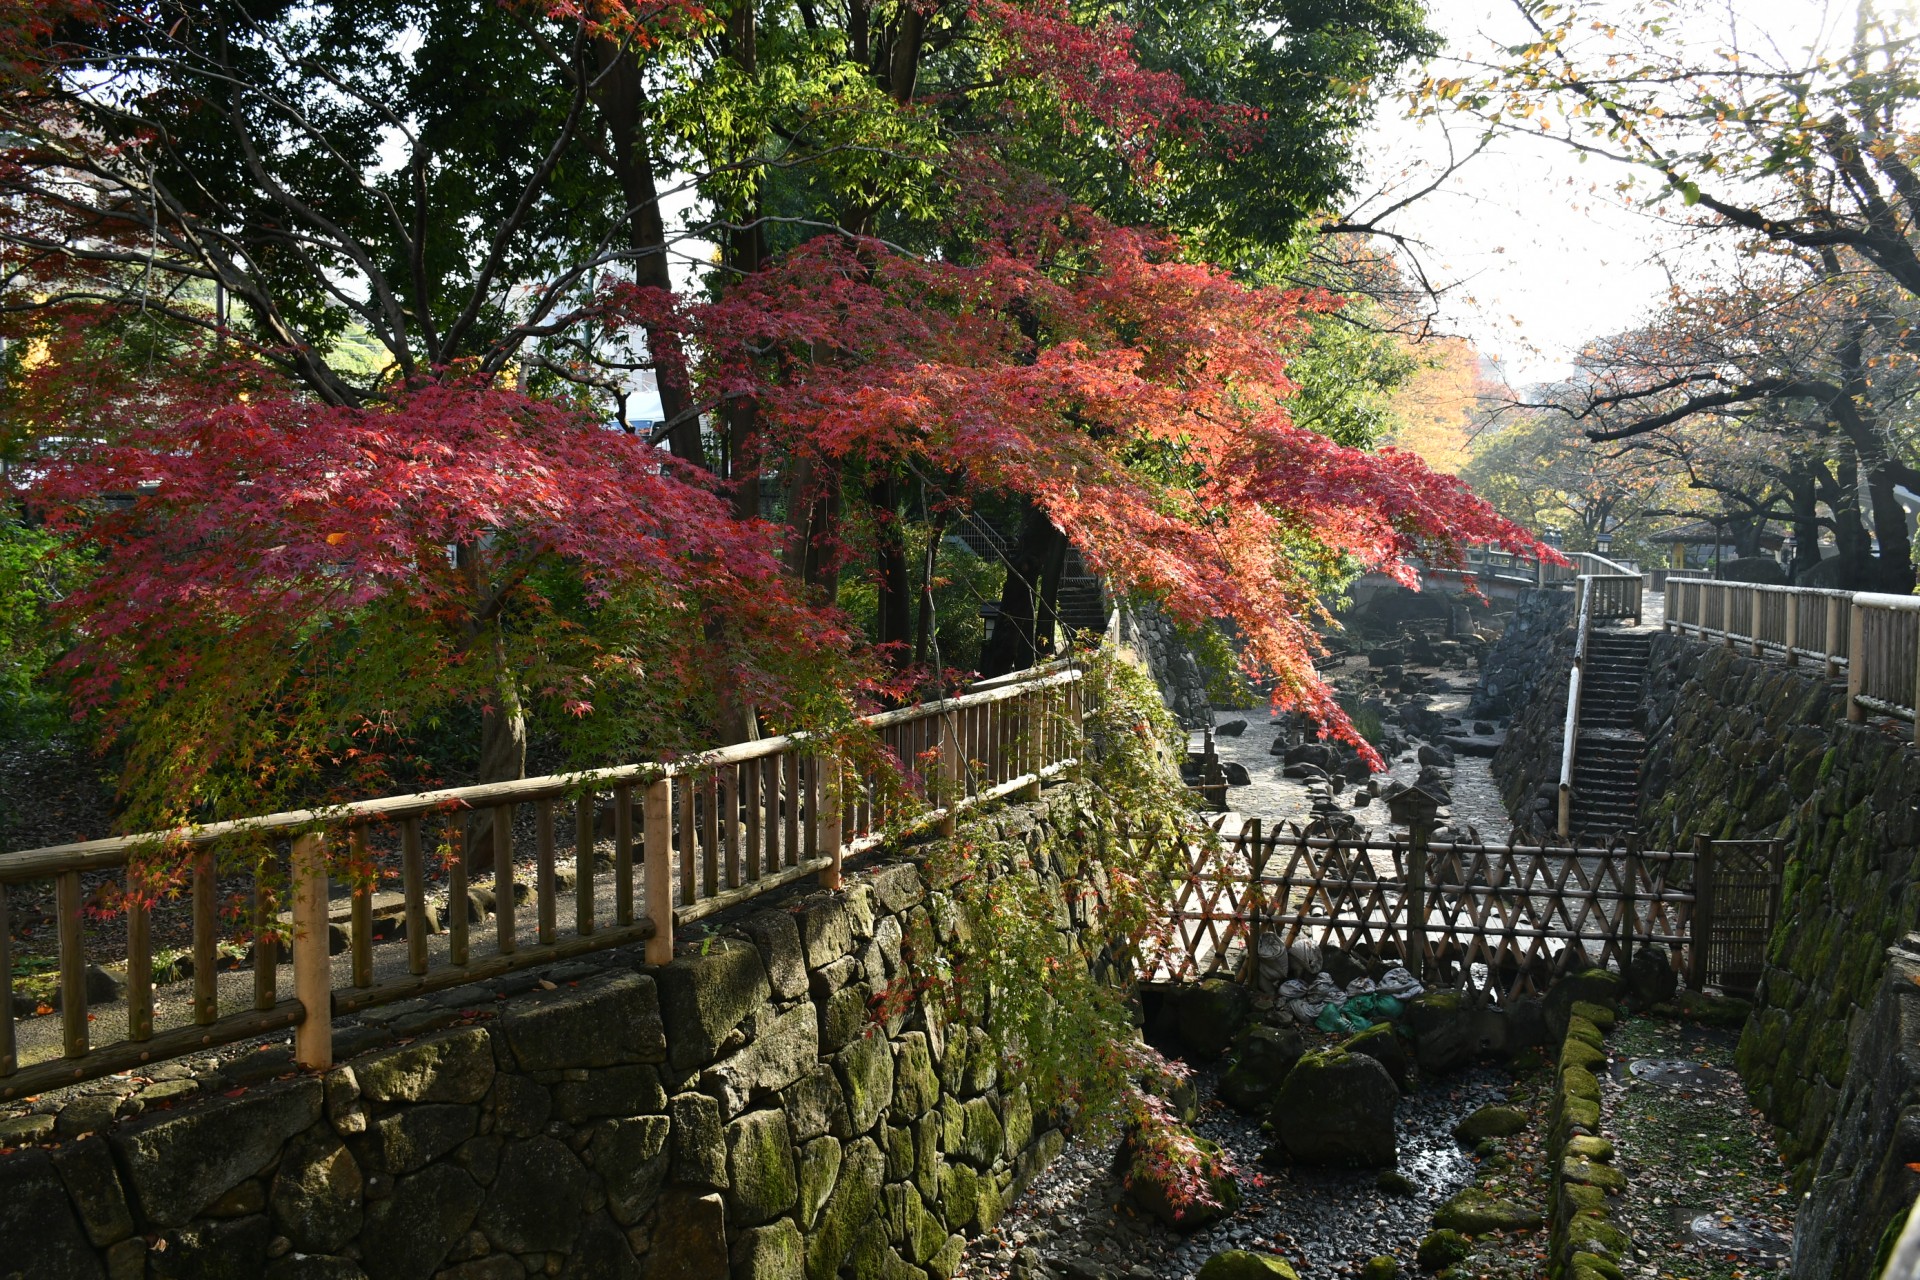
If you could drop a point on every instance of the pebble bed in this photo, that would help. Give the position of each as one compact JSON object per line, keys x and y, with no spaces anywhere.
{"x":1328,"y":1222}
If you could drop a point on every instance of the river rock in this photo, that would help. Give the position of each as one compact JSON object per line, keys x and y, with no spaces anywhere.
{"x":1208,"y":1015}
{"x":1474,"y":1212}
{"x":1260,"y":1067}
{"x":1239,"y":1264}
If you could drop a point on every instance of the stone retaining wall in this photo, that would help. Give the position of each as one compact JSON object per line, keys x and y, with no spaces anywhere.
{"x":1526,"y":674}
{"x":1740,"y":748}
{"x":1868,"y":1171}
{"x":745,"y":1111}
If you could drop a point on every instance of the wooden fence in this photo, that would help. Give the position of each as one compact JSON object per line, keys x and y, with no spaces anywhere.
{"x":1484,"y":916}
{"x":1876,"y":638}
{"x":688,"y":838}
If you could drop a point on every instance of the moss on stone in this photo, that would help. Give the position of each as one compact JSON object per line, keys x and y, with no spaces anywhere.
{"x":1600,"y":1016}
{"x":1594,"y":1174}
{"x":1443,"y":1248}
{"x":1578,"y":1082}
{"x":1475,"y":1212}
{"x":1588,"y":1147}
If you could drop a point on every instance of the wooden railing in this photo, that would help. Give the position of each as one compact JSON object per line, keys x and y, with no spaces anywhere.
{"x":653,"y":846}
{"x":1876,"y":638}
{"x":1482,"y":915}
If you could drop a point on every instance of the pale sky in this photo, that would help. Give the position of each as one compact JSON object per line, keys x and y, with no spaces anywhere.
{"x":1546,"y":255}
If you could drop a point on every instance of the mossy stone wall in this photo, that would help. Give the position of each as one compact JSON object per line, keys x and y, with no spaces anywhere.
{"x":752,"y":1110}
{"x":1740,"y":748}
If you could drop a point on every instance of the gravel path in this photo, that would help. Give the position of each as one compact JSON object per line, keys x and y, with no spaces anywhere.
{"x":1329,"y":1222}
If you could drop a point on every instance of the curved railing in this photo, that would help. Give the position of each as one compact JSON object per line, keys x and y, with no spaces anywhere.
{"x":654,"y":845}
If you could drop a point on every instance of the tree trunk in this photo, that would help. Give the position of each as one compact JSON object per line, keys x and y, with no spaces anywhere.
{"x":1806,"y":522}
{"x":1018,"y":638}
{"x":1893,"y":571}
{"x":622,"y":101}
{"x":894,"y":583}
{"x":503,"y":745}
{"x":925,"y":623}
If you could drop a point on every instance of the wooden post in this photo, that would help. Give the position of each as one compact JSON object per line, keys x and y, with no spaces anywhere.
{"x":1856,"y":665}
{"x":826,"y":819}
{"x":266,"y":946}
{"x":139,"y":963}
{"x":656,"y":854}
{"x":1831,"y":644}
{"x":459,"y":902}
{"x":1756,"y":604}
{"x":1629,"y":913}
{"x":206,"y":926}
{"x":1032,"y":726}
{"x":504,"y":933}
{"x":1417,"y":899}
{"x":623,"y":852}
{"x":360,"y":906}
{"x":952,"y":776}
{"x":1793,"y":627}
{"x":413,"y":877}
{"x":1700,"y":924}
{"x":312,"y":966}
{"x":1726,"y":615}
{"x":543,"y":879}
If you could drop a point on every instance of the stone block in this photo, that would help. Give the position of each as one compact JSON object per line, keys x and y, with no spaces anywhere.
{"x":786,"y":1049}
{"x":39,"y":1232}
{"x":448,"y":1066}
{"x":703,"y":997}
{"x":699,"y":1141}
{"x":178,"y":1164}
{"x":314,"y":1266}
{"x":916,"y":1088}
{"x":826,"y":933}
{"x":415,"y":1136}
{"x":815,"y":1105}
{"x":93,"y":1183}
{"x":785,"y":961}
{"x":1260,"y":1066}
{"x":601,"y":1253}
{"x":843,"y":1016}
{"x":227,"y":1249}
{"x":898,"y":887}
{"x":631,"y":1157}
{"x":536,"y":1202}
{"x":317,"y":1194}
{"x":865,"y":1069}
{"x":610,"y":1091}
{"x":604,"y":1022}
{"x":1474,"y":1212}
{"x":981,"y":1134}
{"x":520,"y":1107}
{"x":409,"y":1233}
{"x":761,"y":1179}
{"x":849,"y":1212}
{"x":690,"y":1239}
{"x":818,"y":1174}
{"x":773,"y":1252}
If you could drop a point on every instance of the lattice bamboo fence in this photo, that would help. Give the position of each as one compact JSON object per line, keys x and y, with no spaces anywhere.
{"x":1490,"y":917}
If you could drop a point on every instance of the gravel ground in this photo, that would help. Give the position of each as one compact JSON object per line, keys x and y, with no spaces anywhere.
{"x":1329,"y":1222}
{"x":1691,"y":1146}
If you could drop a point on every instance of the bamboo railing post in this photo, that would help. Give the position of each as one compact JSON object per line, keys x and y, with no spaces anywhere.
{"x":656,"y":853}
{"x":503,"y":924}
{"x":1032,"y":724}
{"x":1700,"y":923}
{"x":459,"y":901}
{"x":1417,"y":898}
{"x":1793,"y":627}
{"x":584,"y":839}
{"x":1913,"y":696}
{"x":623,"y":855}
{"x":73,"y":965}
{"x":826,"y":819}
{"x":266,"y":948}
{"x":206,"y":927}
{"x":312,"y":965}
{"x":139,"y":962}
{"x":361,"y":906}
{"x":1831,"y":644}
{"x":1856,"y":664}
{"x":543,"y":878}
{"x":413,"y":880}
{"x":951,"y":775}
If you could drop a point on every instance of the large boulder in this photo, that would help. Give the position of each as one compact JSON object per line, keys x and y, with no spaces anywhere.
{"x":1207,"y":1016}
{"x":1474,"y":1212}
{"x":1176,"y":1201}
{"x":1441,"y":1024}
{"x":1592,"y":986}
{"x":1384,"y":1045}
{"x":1650,"y":975}
{"x":1260,"y":1067}
{"x":1336,"y":1108}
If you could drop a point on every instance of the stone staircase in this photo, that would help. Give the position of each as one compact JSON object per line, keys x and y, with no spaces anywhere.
{"x":1082,"y":603}
{"x":1611,"y":749}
